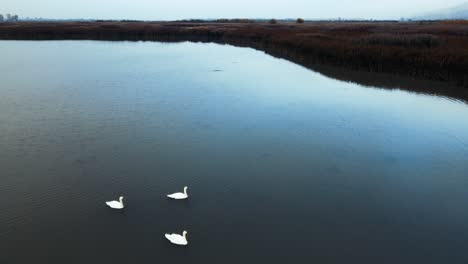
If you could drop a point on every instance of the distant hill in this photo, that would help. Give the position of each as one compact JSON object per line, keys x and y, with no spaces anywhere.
{"x":458,"y":12}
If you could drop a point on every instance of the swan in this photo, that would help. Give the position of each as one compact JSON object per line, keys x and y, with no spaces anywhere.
{"x":178,"y":239}
{"x":179,"y":196}
{"x":116,"y":204}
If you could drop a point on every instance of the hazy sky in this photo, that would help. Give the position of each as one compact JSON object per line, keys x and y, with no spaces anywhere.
{"x":177,"y":9}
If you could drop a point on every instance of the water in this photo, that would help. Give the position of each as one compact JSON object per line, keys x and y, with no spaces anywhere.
{"x":283,"y":164}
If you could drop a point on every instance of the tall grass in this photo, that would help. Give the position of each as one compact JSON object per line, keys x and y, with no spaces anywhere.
{"x":401,"y":40}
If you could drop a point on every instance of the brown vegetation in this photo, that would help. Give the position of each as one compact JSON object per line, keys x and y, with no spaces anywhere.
{"x":456,"y":22}
{"x":428,"y":50}
{"x":299,"y":20}
{"x":410,"y":41}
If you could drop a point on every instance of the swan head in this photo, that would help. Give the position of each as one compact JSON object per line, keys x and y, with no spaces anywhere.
{"x":185,"y":189}
{"x":184,"y":233}
{"x":121,"y":198}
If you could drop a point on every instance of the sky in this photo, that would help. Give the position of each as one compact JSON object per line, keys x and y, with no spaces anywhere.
{"x":183,"y":9}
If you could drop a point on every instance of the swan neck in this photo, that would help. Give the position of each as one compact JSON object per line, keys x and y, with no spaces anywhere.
{"x":185,"y":190}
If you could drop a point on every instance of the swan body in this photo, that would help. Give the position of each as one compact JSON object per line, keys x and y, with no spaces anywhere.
{"x":116,"y":204}
{"x":177,"y":239}
{"x":179,"y":195}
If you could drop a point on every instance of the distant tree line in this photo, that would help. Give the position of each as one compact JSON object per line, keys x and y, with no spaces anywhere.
{"x":8,"y":18}
{"x":234,"y":20}
{"x":243,"y":20}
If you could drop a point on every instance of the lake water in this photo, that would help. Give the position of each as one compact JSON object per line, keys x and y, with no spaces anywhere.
{"x":283,"y":164}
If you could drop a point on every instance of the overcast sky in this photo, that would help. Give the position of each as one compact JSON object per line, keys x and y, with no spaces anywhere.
{"x":178,"y":9}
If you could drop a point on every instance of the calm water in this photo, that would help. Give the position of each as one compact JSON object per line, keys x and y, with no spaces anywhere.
{"x":283,"y":165}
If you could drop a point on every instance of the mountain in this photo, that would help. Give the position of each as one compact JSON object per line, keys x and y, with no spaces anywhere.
{"x":458,"y":12}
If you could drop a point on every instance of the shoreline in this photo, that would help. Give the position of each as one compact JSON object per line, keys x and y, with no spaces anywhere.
{"x":349,"y":51}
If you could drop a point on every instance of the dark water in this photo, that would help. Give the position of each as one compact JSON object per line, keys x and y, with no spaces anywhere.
{"x":283,"y":165}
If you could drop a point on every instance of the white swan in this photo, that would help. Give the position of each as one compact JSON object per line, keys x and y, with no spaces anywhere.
{"x":179,"y":196}
{"x":178,"y":239}
{"x":116,"y":204}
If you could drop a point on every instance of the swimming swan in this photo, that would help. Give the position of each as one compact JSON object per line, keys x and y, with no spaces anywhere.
{"x":178,"y":239}
{"x":116,"y":204}
{"x":179,"y":196}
